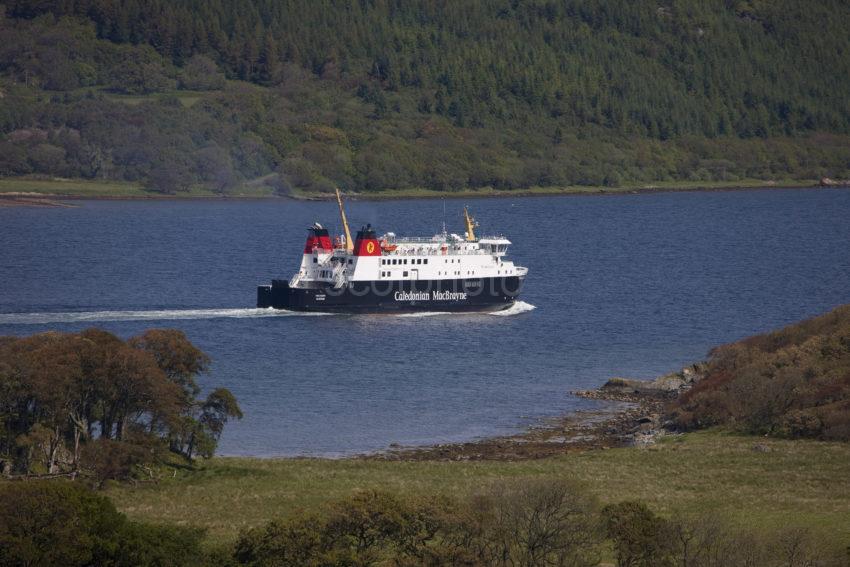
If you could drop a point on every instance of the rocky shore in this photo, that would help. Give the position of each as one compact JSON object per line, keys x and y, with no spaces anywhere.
{"x":631,"y":413}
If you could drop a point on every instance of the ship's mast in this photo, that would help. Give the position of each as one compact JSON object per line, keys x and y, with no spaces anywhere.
{"x":349,"y":244}
{"x":470,"y":225}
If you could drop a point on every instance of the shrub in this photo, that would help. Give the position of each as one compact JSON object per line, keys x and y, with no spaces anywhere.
{"x":641,"y":539}
{"x":47,"y":523}
{"x":794,"y":382}
{"x":56,"y":523}
{"x":531,"y":522}
{"x":159,"y":545}
{"x":359,"y":530}
{"x":519,"y":524}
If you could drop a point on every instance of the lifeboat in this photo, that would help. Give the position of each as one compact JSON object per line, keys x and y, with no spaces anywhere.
{"x":387,"y":247}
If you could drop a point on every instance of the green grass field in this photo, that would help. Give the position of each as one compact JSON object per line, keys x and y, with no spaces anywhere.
{"x":794,"y":483}
{"x":75,"y":187}
{"x":85,"y":188}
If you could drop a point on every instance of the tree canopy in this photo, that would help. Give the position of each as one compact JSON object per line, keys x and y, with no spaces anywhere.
{"x":384,"y":94}
{"x":91,"y":403}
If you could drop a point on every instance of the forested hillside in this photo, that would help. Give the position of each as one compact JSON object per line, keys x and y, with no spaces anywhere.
{"x":377,"y":95}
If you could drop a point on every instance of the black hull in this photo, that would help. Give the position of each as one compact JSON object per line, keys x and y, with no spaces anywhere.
{"x":399,"y":296}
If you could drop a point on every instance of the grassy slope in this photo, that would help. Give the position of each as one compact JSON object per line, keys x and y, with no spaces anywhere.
{"x":796,"y":483}
{"x":86,"y":188}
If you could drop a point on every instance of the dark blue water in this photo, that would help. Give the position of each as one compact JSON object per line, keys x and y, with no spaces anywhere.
{"x":632,"y":285}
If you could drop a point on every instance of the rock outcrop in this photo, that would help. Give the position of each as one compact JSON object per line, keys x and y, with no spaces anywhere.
{"x":647,"y":424}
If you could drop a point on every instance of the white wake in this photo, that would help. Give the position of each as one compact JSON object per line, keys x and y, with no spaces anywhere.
{"x":153,"y":315}
{"x":180,"y":314}
{"x":515,"y":309}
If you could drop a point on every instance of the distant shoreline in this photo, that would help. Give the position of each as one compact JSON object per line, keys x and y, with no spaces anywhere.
{"x":49,"y":193}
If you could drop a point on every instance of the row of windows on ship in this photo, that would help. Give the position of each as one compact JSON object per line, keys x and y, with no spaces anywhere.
{"x":405,"y":274}
{"x":402,"y":262}
{"x":413,"y":261}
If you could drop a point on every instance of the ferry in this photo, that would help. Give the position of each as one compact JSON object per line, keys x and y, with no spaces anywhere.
{"x":374,"y":273}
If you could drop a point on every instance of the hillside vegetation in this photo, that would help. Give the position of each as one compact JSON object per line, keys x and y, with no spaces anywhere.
{"x":794,"y":382}
{"x":384,"y":95}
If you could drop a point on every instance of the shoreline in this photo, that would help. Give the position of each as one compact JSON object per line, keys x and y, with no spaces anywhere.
{"x":54,"y":199}
{"x":631,"y":414}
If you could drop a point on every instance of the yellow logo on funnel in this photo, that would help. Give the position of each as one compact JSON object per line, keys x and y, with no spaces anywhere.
{"x":370,"y":247}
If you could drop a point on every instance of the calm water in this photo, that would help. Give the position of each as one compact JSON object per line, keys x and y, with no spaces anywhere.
{"x":630,"y":285}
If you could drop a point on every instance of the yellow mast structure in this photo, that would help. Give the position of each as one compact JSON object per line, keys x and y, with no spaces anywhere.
{"x":349,"y":244}
{"x":470,"y":225}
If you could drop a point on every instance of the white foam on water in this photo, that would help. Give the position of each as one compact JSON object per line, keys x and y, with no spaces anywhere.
{"x":153,"y":315}
{"x":424,"y":314}
{"x":515,"y":309}
{"x":182,"y":314}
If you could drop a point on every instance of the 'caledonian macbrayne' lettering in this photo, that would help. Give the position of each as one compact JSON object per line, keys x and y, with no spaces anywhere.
{"x":433,"y":296}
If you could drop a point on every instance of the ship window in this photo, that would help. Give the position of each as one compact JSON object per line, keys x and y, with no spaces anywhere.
{"x":405,"y":261}
{"x":350,"y":261}
{"x":315,"y":260}
{"x":426,"y":260}
{"x":394,"y":261}
{"x":404,"y":274}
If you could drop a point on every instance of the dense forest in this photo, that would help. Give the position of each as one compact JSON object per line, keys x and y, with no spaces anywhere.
{"x":92,"y":405}
{"x":794,"y":382}
{"x":383,"y":94}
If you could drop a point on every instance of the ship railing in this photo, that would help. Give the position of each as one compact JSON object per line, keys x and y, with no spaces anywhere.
{"x":416,"y":240}
{"x":451,"y":251}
